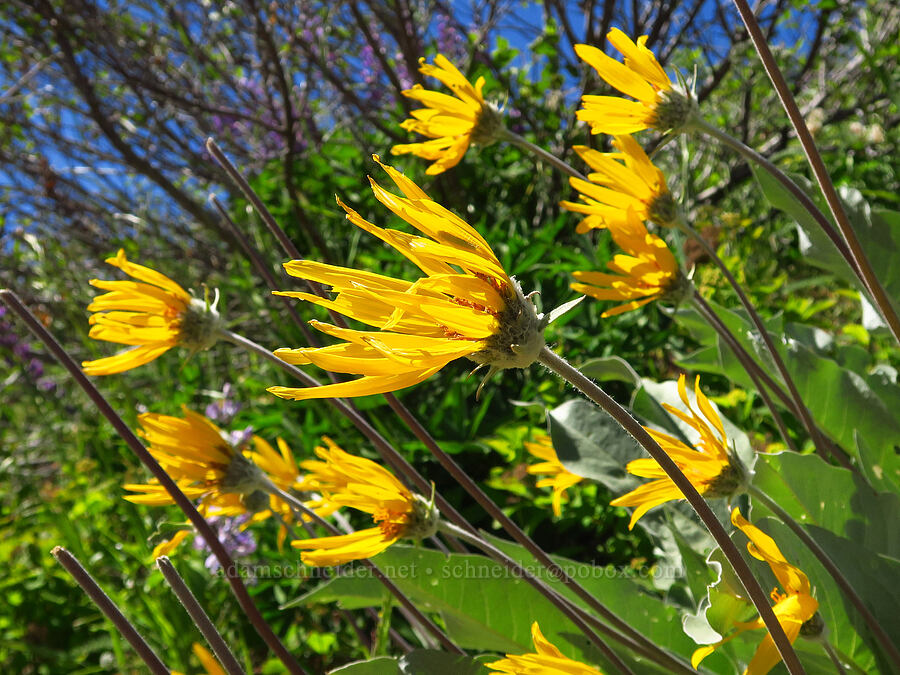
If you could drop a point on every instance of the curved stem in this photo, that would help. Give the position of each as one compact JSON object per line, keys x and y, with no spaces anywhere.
{"x":857,"y":257}
{"x":752,"y":368}
{"x":843,"y":583}
{"x":204,"y":529}
{"x":542,"y":154}
{"x":802,"y":198}
{"x":542,"y":588}
{"x":805,"y":416}
{"x":759,"y":598}
{"x":110,"y":610}
{"x":199,"y":616}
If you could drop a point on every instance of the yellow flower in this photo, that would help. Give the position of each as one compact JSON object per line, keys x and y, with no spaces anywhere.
{"x":658,"y":104}
{"x":793,"y":608}
{"x":708,"y":465}
{"x":152,"y":314}
{"x":620,"y":181}
{"x":453,"y":122}
{"x":547,"y":660}
{"x":649,"y":273}
{"x":207,"y":660}
{"x":560,"y":478}
{"x":465,"y":305}
{"x":362,"y":484}
{"x":227,"y":480}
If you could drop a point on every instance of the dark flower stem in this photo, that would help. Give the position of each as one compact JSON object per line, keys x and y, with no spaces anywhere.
{"x":890,"y":647}
{"x":199,"y":617}
{"x":206,"y":531}
{"x":759,"y":598}
{"x":83,"y":578}
{"x":857,"y":258}
{"x":752,"y":368}
{"x":805,"y":416}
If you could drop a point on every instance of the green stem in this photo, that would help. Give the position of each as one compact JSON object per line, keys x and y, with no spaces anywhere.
{"x":757,"y":595}
{"x":542,"y":154}
{"x":843,"y":583}
{"x":857,"y":257}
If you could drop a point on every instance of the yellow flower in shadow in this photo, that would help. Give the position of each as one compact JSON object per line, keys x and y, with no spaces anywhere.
{"x":620,"y":181}
{"x":657,"y":105}
{"x":793,"y":608}
{"x":207,"y":660}
{"x":559,"y":478}
{"x":546,"y":660}
{"x":712,"y":470}
{"x":225,"y":479}
{"x":152,"y":315}
{"x":359,"y":483}
{"x":452,"y":122}
{"x":465,"y":305}
{"x":647,"y":271}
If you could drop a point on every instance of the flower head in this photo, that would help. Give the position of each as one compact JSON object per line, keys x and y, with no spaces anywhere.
{"x":362,"y":484}
{"x":795,"y":609}
{"x":708,"y":465}
{"x":560,"y":479}
{"x":620,"y":181}
{"x":658,"y":104}
{"x":207,"y":660}
{"x":152,"y":314}
{"x":546,"y":660}
{"x":227,"y":480}
{"x":453,"y":122}
{"x":465,"y":305}
{"x":649,"y":271}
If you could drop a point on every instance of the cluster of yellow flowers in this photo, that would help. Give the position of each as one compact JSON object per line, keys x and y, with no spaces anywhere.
{"x":463,"y":304}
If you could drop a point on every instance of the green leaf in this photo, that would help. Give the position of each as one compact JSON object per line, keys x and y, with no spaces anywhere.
{"x":818,"y":494}
{"x":433,"y":662}
{"x":610,"y":368}
{"x":480,"y":602}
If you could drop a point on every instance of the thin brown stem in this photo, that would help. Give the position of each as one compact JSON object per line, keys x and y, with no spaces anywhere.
{"x":750,"y":366}
{"x":83,"y":578}
{"x":805,"y":416}
{"x":199,"y":616}
{"x":858,"y":257}
{"x":12,"y":301}
{"x":757,"y":595}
